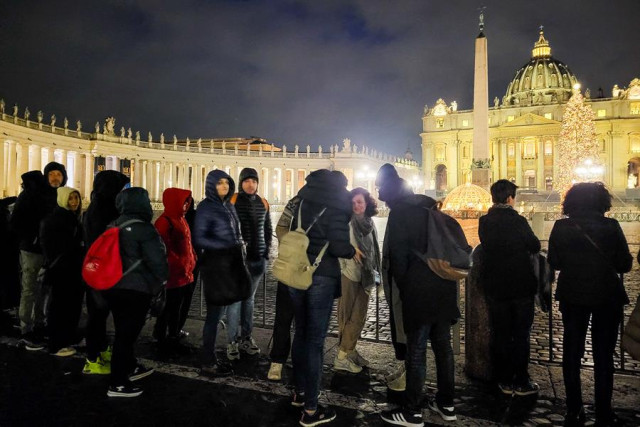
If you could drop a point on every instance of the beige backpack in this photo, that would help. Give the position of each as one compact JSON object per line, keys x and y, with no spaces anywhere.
{"x":292,"y":266}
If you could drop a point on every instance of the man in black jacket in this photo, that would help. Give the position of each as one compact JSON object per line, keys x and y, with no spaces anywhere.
{"x":255,"y":225}
{"x":27,"y":214}
{"x":510,"y":286}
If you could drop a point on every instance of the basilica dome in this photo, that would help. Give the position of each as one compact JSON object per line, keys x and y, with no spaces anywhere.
{"x":542,"y":80}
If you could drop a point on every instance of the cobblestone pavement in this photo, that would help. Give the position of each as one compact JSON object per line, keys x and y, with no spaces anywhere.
{"x":377,"y":327}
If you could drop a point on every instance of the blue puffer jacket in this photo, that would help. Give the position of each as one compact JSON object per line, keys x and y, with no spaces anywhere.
{"x":216,"y":225}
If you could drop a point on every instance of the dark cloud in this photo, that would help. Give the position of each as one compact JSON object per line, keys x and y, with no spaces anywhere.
{"x":295,"y":72}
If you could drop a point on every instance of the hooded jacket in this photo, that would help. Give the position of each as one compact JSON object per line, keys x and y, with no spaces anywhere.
{"x":326,"y":188}
{"x":508,"y":243}
{"x":29,"y":210}
{"x":426,"y":297}
{"x":52,"y":195}
{"x":175,"y":233}
{"x":217,"y":226}
{"x":140,"y":241}
{"x":61,"y":235}
{"x":255,"y":221}
{"x":102,"y":209}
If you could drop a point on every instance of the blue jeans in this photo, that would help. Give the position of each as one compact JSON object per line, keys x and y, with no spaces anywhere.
{"x":416,"y":363}
{"x":241,"y":312}
{"x":312,"y":309}
{"x":210,"y":332}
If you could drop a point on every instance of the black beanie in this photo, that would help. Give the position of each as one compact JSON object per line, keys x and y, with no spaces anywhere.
{"x":386,"y":175}
{"x":55,"y":166}
{"x":247,"y":173}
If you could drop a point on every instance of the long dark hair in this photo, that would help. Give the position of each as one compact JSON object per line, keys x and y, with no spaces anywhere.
{"x":587,"y":197}
{"x":372,"y":205}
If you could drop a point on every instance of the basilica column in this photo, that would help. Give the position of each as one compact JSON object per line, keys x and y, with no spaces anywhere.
{"x":540,"y":172}
{"x":88,"y":174}
{"x":503,"y":160}
{"x":519,"y":163}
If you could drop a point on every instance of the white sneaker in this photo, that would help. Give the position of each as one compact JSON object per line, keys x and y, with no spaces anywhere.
{"x":358,"y":359}
{"x":65,"y":352}
{"x":347,"y":365}
{"x":249,"y":346}
{"x":275,"y":372}
{"x":233,"y":353}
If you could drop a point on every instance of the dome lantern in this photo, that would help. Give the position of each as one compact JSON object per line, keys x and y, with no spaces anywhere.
{"x":541,"y":48}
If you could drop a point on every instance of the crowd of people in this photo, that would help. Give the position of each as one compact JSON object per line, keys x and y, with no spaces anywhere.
{"x":225,"y":243}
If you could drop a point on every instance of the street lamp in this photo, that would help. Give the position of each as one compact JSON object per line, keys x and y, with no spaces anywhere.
{"x":587,"y":171}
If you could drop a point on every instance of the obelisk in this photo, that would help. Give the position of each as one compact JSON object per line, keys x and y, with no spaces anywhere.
{"x":478,"y":336}
{"x":481,"y":169}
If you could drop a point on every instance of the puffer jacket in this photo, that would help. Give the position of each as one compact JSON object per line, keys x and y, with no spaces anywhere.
{"x":175,"y":233}
{"x":255,"y":224}
{"x":508,"y":243}
{"x":102,"y":209}
{"x":326,"y":189}
{"x":586,"y":278}
{"x":61,"y":234}
{"x":216,"y":225}
{"x":29,"y":210}
{"x":426,"y":297}
{"x":140,"y":241}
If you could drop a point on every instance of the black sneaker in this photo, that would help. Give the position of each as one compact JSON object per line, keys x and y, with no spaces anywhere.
{"x":140,"y":372}
{"x":217,"y":370}
{"x":322,"y":415}
{"x":403,"y":417}
{"x":297,"y":400}
{"x":124,"y":391}
{"x":448,"y":413}
{"x":527,"y":389}
{"x":31,"y":342}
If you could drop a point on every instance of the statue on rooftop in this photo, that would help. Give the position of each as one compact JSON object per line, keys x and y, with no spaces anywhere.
{"x":53,"y":120}
{"x":27,"y":113}
{"x":109,"y":125}
{"x":346,"y":145}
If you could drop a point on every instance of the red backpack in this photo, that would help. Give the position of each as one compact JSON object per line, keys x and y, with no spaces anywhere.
{"x":102,"y":266}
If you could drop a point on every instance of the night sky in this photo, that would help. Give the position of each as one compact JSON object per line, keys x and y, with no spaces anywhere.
{"x":293,"y":72}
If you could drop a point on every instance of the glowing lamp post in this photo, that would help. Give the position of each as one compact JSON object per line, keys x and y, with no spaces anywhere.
{"x":367,"y":176}
{"x":588,"y":172}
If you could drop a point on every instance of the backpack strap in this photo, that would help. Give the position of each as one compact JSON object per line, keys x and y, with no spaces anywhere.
{"x":318,"y":260}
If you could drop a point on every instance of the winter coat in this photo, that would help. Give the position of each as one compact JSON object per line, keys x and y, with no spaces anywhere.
{"x":326,"y":188}
{"x":255,"y":224}
{"x":29,"y":210}
{"x":51,"y":193}
{"x":102,"y":209}
{"x":61,"y":238}
{"x":216,"y":226}
{"x":631,"y":337}
{"x":508,"y":243}
{"x":586,"y":278}
{"x":175,"y":233}
{"x":140,"y":241}
{"x":9,"y":255}
{"x":426,"y":297}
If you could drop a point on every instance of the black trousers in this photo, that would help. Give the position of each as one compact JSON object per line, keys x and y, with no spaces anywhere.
{"x":65,"y":306}
{"x":605,"y":322}
{"x":129,"y":310}
{"x":98,"y":311}
{"x":282,"y":325}
{"x":511,"y":322}
{"x":175,"y":312}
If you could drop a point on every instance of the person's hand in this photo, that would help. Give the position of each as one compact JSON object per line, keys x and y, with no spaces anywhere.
{"x":358,"y":257}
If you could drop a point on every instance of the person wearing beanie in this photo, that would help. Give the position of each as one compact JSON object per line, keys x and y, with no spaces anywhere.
{"x":429,"y":302}
{"x":255,"y":225}
{"x":25,"y":221}
{"x":392,"y":188}
{"x":55,"y":175}
{"x":62,"y":243}
{"x":325,"y":203}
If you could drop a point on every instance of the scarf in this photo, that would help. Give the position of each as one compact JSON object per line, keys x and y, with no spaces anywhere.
{"x":363,"y":233}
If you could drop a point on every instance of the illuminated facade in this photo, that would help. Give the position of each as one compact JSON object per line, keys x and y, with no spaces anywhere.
{"x":524,"y":127}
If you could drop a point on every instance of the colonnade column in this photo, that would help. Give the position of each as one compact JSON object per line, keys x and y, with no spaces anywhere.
{"x":50,"y":155}
{"x":148,"y":178}
{"x":294,"y":182}
{"x":23,"y":159}
{"x":36,"y":157}
{"x":88,"y":175}
{"x":77,"y":173}
{"x":63,"y":157}
{"x":12,"y":166}
{"x":3,"y":169}
{"x":283,"y":185}
{"x":197,"y":194}
{"x":162,"y":179}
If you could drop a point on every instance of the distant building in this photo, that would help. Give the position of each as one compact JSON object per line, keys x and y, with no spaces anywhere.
{"x":524,"y":126}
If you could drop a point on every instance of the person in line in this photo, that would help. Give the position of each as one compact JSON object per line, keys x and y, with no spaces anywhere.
{"x":312,"y":307}
{"x":9,"y":265}
{"x":429,"y":303}
{"x":284,"y":307}
{"x":510,"y":286}
{"x":391,"y":190}
{"x":255,"y":224}
{"x":358,"y":279}
{"x":28,"y":212}
{"x":175,"y":233}
{"x":61,"y":238}
{"x":144,"y":256}
{"x":589,"y":250}
{"x":218,"y":241}
{"x":101,"y":212}
{"x":56,"y":176}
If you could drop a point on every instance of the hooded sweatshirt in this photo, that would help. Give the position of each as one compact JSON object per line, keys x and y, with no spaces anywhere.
{"x":217,"y":226}
{"x":102,"y":209}
{"x":61,"y":233}
{"x":140,"y":241}
{"x":29,"y":210}
{"x":52,"y":194}
{"x":174,"y":230}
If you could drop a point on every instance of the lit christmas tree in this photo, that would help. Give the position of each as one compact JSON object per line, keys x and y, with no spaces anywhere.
{"x":578,"y":149}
